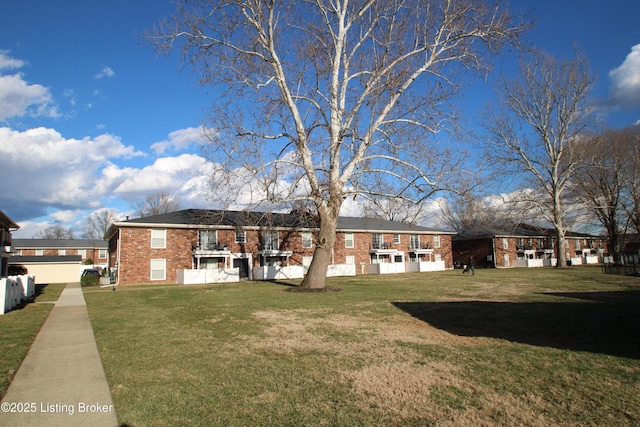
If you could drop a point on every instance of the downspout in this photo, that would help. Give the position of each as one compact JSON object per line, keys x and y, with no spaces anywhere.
{"x":118,"y":256}
{"x":493,"y":250}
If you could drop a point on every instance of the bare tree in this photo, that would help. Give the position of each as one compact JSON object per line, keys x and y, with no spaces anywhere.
{"x":469,"y":211}
{"x":631,"y":176}
{"x":55,"y":231}
{"x":545,"y":110}
{"x":157,"y":203}
{"x":98,"y":223}
{"x":318,"y":99}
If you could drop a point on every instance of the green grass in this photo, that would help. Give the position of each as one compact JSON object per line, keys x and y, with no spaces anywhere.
{"x":506,"y":347}
{"x":18,"y":329}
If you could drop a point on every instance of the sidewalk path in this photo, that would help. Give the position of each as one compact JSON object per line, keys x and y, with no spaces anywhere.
{"x":61,"y":381}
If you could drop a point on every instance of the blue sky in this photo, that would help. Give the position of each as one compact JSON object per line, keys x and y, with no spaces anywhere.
{"x":90,"y":117}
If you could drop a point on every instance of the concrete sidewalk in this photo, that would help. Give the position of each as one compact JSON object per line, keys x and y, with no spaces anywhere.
{"x":61,"y":381}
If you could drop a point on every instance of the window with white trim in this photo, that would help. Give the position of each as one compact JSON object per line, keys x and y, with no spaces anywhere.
{"x":396,"y":239}
{"x":307,"y":239}
{"x":158,"y":238}
{"x":377,"y":241}
{"x":414,"y":242}
{"x":207,"y":239}
{"x":39,"y":252}
{"x":505,"y":243}
{"x":158,"y":269}
{"x":241,"y":236}
{"x":506,"y":260}
{"x":436,"y":240}
{"x":82,"y":253}
{"x":62,"y":252}
{"x":102,"y":254}
{"x":350,"y":259}
{"x":270,"y":241}
{"x":348,"y":240}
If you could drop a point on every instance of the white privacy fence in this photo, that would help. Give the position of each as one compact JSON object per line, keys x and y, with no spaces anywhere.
{"x":14,"y":290}
{"x":204,"y":276}
{"x":419,"y":267}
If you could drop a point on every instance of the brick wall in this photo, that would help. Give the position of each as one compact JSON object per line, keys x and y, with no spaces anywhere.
{"x":136,"y":252}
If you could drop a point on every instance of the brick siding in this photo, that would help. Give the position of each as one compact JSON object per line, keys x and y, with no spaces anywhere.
{"x":136,"y":252}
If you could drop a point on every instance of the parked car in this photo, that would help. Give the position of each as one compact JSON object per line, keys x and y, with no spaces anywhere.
{"x":91,"y":272}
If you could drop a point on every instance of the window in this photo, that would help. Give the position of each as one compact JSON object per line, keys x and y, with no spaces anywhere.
{"x":350,"y":259}
{"x":82,"y":253}
{"x":307,"y":239}
{"x":414,"y":242}
{"x":348,"y":240}
{"x":207,"y":240}
{"x":62,"y":252}
{"x":505,"y":243}
{"x":506,"y":260}
{"x":39,"y":252}
{"x":436,"y":241}
{"x":102,"y":254}
{"x":577,"y":244}
{"x":377,"y":241}
{"x":241,"y":236}
{"x":158,"y":238}
{"x":270,"y":241}
{"x":158,"y":269}
{"x":396,"y":239}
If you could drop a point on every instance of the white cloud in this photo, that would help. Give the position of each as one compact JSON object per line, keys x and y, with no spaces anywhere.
{"x":180,"y":139}
{"x":66,"y":215}
{"x":105,"y":72}
{"x":625,"y":80}
{"x":42,"y":169}
{"x":18,"y":98}
{"x":6,"y":62}
{"x":180,"y":175}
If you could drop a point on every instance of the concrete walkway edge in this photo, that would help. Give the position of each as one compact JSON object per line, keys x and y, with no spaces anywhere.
{"x":61,"y":381}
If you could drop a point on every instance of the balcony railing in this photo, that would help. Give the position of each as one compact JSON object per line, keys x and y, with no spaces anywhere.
{"x":380,"y":245}
{"x":420,"y":246}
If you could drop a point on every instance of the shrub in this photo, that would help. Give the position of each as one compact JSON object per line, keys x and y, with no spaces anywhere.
{"x":89,"y":281}
{"x":17,"y":270}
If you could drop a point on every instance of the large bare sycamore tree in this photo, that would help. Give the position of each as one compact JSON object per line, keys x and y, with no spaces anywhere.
{"x":537,"y":132}
{"x":319,"y":99}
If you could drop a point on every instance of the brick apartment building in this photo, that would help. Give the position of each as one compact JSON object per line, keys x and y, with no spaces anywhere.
{"x":524,"y":246}
{"x":87,"y":249}
{"x":157,"y":248}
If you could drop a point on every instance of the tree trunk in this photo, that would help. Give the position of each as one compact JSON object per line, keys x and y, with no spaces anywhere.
{"x":561,"y":250}
{"x":317,"y":274}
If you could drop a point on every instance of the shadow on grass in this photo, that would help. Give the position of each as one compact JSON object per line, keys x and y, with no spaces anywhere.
{"x":600,"y":322}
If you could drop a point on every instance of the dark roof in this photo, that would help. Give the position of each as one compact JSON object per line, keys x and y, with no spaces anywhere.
{"x":59,"y":243}
{"x":375,"y":224}
{"x":520,"y":230}
{"x":44,"y":259}
{"x":199,"y":217}
{"x":295,"y":220}
{"x":7,"y":222}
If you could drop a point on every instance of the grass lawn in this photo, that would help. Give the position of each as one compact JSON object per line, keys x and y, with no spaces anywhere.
{"x":18,"y":329}
{"x":503,"y":347}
